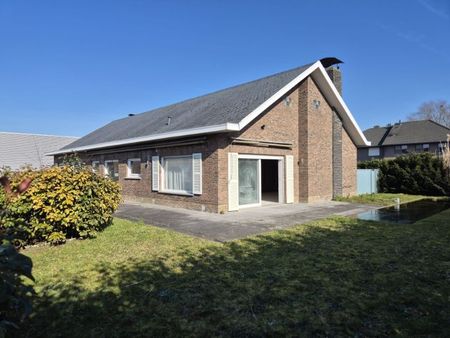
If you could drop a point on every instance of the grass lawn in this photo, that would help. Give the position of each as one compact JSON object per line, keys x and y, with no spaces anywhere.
{"x":382,"y":199}
{"x":334,"y":277}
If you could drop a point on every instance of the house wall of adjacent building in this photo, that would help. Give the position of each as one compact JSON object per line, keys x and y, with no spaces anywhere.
{"x":294,"y":119}
{"x":390,"y":151}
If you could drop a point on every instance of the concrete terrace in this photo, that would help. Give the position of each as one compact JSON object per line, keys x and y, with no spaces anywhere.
{"x":235,"y":225}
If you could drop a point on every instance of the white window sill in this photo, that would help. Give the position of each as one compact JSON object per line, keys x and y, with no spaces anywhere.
{"x":176,"y":192}
{"x":133,"y":178}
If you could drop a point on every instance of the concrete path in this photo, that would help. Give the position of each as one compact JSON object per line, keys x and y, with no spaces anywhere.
{"x":235,"y":225}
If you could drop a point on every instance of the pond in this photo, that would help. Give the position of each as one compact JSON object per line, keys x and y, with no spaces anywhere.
{"x":406,"y":213}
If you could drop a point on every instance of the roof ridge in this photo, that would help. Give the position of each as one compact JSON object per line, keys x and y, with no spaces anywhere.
{"x":223,"y":89}
{"x":439,"y":124}
{"x":34,"y":134}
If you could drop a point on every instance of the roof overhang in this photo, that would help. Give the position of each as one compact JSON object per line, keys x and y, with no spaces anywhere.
{"x":316,"y":71}
{"x":220,"y":128}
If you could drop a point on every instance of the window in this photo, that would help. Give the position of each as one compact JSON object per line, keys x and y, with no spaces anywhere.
{"x":112,"y":169}
{"x":419,"y":148}
{"x":177,"y":174}
{"x":426,"y":147}
{"x":404,"y":149}
{"x":134,"y":168}
{"x":95,"y":166}
{"x":374,"y":151}
{"x":398,"y":149}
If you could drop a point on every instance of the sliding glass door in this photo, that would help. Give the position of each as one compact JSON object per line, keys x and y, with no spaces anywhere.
{"x":249,"y":181}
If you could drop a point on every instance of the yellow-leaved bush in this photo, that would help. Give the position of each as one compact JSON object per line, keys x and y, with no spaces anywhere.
{"x":61,"y":203}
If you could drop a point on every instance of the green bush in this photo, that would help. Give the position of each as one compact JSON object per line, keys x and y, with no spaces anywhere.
{"x":63,"y":202}
{"x":417,"y":174}
{"x":15,"y":304}
{"x":15,"y":295}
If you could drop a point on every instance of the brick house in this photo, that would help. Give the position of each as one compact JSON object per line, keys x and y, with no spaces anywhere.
{"x":403,"y":138}
{"x":285,"y":138}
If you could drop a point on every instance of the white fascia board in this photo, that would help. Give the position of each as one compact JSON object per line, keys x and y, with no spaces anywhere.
{"x":278,"y":95}
{"x":328,"y":87}
{"x":174,"y":134}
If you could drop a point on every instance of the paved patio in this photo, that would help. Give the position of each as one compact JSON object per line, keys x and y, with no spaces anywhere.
{"x":235,"y":225}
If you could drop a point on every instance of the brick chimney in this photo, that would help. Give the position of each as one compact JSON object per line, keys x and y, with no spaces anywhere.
{"x":336,"y":76}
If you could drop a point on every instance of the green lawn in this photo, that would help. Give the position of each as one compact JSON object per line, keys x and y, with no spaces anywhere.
{"x":382,"y":199}
{"x":334,"y":277}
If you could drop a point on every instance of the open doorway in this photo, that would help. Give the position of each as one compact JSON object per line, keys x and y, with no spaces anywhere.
{"x":260,"y":180}
{"x":269,"y":181}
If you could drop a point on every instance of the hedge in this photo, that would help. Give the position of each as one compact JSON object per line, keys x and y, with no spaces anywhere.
{"x":417,"y":174}
{"x":61,"y":203}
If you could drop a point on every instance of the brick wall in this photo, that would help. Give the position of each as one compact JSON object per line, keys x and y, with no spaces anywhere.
{"x":349,"y":152}
{"x":337,"y":155}
{"x":318,"y":145}
{"x":279,"y":124}
{"x":141,"y":189}
{"x":310,"y":130}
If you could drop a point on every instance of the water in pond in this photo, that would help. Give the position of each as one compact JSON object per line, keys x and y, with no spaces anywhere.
{"x":406,"y":213}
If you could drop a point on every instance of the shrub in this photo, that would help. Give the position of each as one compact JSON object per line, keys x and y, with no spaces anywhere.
{"x":418,"y":174}
{"x":15,"y":294}
{"x":63,"y":202}
{"x":15,"y":304}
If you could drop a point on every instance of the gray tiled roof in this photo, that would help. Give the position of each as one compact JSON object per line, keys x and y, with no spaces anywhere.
{"x":375,"y":135}
{"x":18,"y":149}
{"x":229,"y":105}
{"x":424,"y":131}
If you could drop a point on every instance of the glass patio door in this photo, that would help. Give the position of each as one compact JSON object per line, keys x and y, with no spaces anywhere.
{"x":249,"y":181}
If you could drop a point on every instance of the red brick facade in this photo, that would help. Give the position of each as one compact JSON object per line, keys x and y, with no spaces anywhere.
{"x":303,"y":118}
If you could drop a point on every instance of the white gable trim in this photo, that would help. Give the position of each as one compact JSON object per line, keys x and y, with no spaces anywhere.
{"x":348,"y":120}
{"x":318,"y":73}
{"x":278,"y":95}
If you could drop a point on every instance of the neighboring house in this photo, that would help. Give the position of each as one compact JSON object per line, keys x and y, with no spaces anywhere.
{"x":403,"y":138}
{"x":284,"y":138}
{"x":20,"y":149}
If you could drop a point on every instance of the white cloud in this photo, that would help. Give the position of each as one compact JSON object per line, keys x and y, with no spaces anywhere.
{"x":433,"y":8}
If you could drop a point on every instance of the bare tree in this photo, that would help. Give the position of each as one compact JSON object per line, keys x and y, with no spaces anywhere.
{"x":438,"y":111}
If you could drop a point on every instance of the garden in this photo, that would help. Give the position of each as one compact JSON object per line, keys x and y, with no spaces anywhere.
{"x":69,"y":269}
{"x":334,"y":277}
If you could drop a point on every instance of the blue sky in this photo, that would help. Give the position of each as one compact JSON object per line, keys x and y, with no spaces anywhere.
{"x":68,"y":67}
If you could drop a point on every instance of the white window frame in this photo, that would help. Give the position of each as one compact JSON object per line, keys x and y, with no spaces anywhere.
{"x":129,"y":173}
{"x":163,"y":177}
{"x":106,"y":173}
{"x":374,"y":151}
{"x":98,"y":168}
